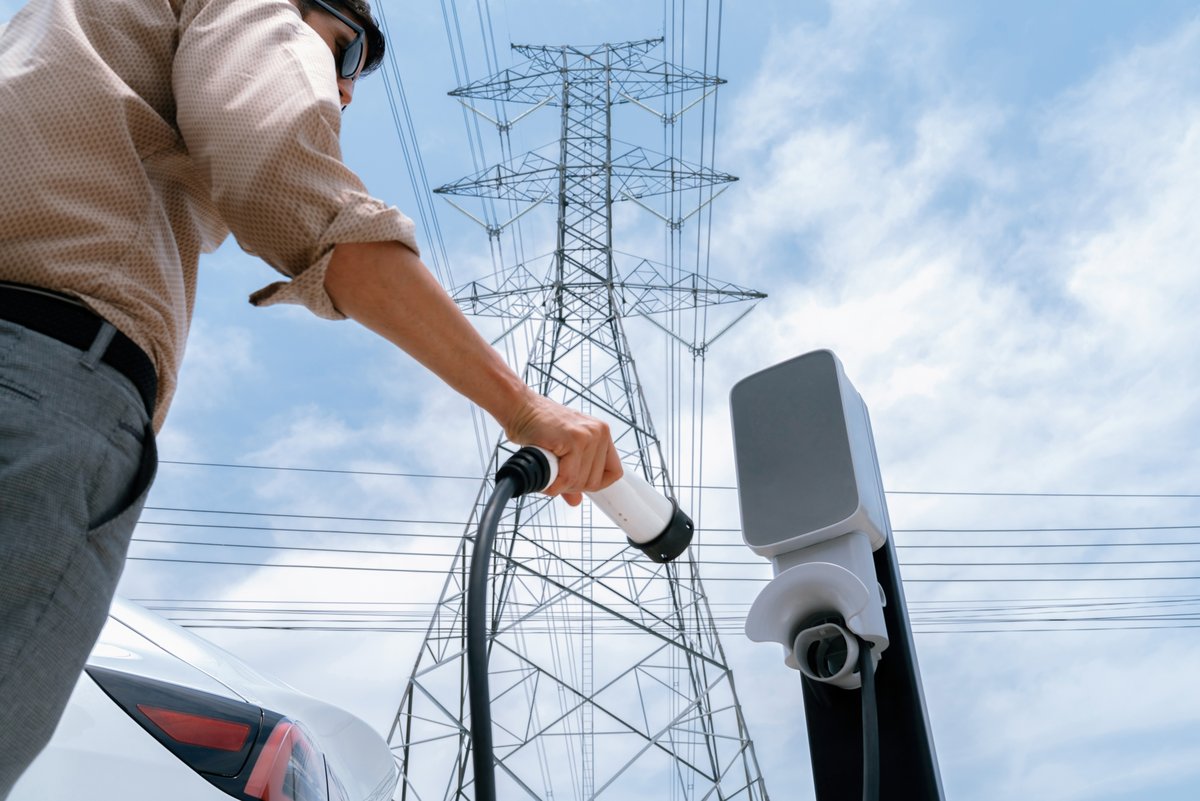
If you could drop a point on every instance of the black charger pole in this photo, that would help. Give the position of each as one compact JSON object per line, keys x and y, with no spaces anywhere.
{"x":908,"y":769}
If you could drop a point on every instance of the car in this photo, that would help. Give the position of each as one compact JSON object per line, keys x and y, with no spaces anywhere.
{"x":162,"y":713}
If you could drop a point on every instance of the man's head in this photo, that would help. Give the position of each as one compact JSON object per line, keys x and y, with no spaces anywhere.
{"x":352,"y":35}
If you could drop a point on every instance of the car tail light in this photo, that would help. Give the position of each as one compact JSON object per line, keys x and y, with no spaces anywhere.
{"x":250,"y":753}
{"x":289,"y":768}
{"x":201,"y":730}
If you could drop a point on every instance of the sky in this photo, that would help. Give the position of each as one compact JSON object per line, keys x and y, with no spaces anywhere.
{"x":985,"y":209}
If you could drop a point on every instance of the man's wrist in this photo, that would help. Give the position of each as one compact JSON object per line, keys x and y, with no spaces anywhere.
{"x":512,"y":403}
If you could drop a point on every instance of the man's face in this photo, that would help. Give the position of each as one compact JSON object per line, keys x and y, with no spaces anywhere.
{"x":336,"y":26}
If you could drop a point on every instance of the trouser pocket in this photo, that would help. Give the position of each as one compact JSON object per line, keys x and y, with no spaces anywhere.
{"x":111,"y":531}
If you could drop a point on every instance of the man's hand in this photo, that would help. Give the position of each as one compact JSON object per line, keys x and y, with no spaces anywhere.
{"x":587,"y":458}
{"x":387,"y":288}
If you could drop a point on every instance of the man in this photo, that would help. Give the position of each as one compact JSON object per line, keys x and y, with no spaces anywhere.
{"x":137,"y":134}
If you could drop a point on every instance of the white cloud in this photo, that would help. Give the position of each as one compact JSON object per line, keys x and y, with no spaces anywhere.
{"x":218,"y":359}
{"x":913,"y":291}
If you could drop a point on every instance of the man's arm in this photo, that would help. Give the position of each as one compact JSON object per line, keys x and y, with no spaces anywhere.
{"x":385,"y":287}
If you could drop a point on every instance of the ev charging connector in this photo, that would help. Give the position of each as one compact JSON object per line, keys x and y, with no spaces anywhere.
{"x":652,"y":522}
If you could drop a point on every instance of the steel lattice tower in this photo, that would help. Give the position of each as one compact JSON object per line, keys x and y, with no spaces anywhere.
{"x":607,"y":676}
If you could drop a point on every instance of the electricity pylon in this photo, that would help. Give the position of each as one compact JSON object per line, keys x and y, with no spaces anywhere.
{"x":607,"y":675}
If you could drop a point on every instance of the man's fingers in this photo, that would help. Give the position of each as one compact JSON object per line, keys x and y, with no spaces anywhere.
{"x":599,"y":463}
{"x":587,"y":457}
{"x":613,"y":469}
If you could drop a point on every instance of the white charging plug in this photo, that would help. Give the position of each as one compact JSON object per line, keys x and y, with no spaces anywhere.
{"x":651,"y":521}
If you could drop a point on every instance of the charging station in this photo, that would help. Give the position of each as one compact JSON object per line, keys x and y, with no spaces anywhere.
{"x":812,"y":502}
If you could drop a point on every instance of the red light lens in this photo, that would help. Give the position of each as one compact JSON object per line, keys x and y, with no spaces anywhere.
{"x":289,"y":768}
{"x":199,"y":730}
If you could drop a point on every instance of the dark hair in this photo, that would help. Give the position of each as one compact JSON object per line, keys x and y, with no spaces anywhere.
{"x":360,"y":10}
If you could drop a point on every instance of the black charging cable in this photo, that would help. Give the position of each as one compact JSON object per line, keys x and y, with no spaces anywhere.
{"x":827,"y":657}
{"x":870,"y":722}
{"x":526,"y":471}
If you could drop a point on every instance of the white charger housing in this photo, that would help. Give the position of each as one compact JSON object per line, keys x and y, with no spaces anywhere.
{"x":812,"y":502}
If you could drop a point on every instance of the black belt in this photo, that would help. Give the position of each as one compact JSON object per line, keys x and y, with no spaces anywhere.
{"x":65,"y":320}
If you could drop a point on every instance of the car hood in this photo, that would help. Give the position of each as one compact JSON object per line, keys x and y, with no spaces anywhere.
{"x":138,"y":641}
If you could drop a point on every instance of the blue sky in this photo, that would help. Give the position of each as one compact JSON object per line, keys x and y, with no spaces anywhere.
{"x":986,"y":209}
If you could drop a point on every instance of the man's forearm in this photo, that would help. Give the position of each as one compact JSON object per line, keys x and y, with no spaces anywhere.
{"x":385,"y":287}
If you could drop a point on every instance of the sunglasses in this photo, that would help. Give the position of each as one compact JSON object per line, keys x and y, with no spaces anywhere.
{"x":352,"y":56}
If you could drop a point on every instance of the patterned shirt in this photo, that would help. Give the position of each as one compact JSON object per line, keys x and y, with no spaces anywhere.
{"x":139,"y":133}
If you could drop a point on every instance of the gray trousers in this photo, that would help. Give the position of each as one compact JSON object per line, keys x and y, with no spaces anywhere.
{"x":77,"y":456}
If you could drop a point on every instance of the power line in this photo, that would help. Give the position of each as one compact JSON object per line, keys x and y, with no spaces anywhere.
{"x":211,"y":562}
{"x":1048,"y":494}
{"x":721,"y":629}
{"x":702,"y":529}
{"x":389,"y":473}
{"x":1003,"y":615}
{"x":751,"y":579}
{"x":1025,"y":545}
{"x":730,"y":611}
{"x":308,"y":549}
{"x":1057,"y":602}
{"x":711,"y":562}
{"x":723,"y":626}
{"x":1043,"y":530}
{"x":732,"y":619}
{"x":1059,"y":630}
{"x":451,"y":477}
{"x":753,"y":562}
{"x":325,"y":531}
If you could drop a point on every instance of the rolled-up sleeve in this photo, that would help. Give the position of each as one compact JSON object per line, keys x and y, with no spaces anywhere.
{"x":257,"y":106}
